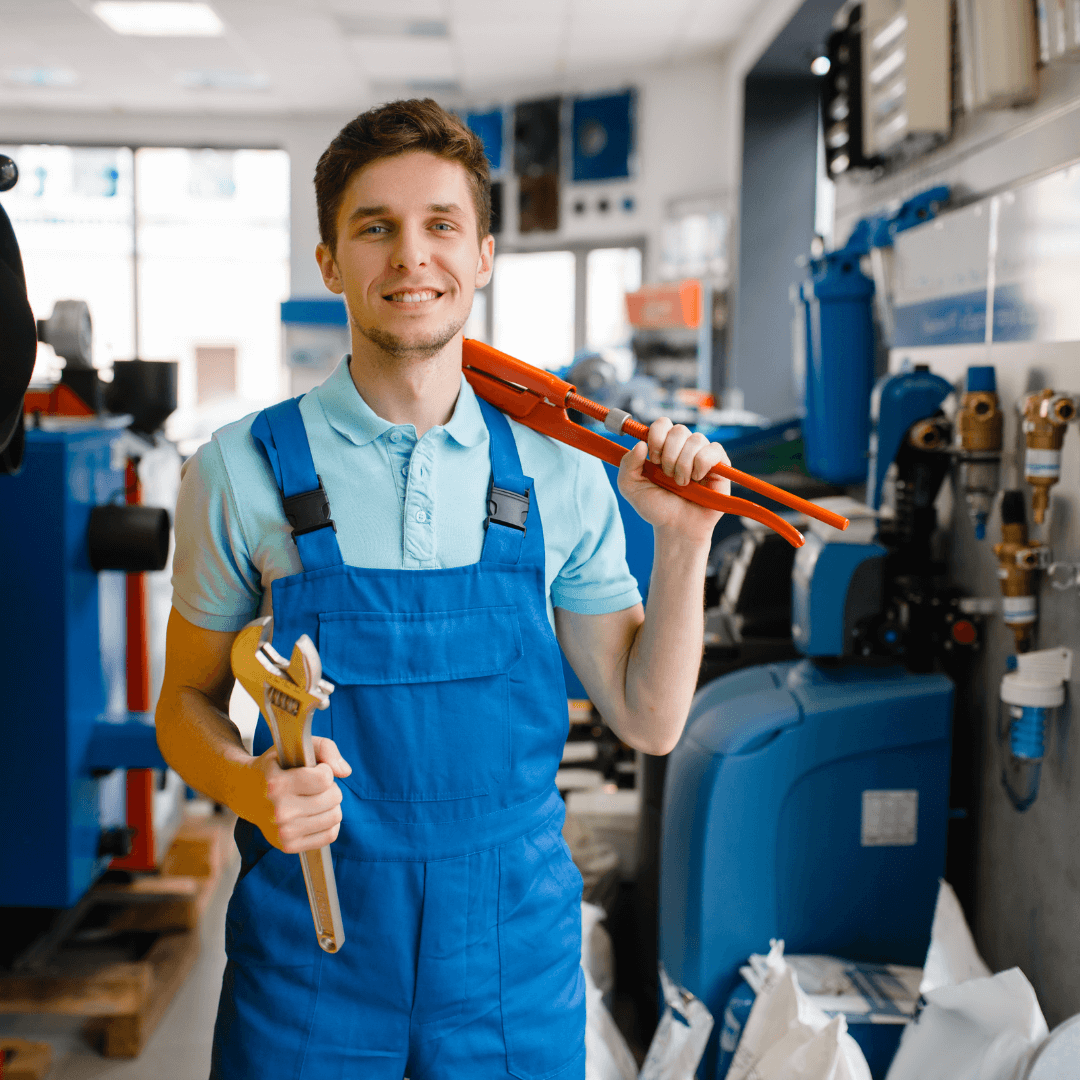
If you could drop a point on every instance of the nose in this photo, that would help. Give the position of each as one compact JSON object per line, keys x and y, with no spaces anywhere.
{"x":410,"y":250}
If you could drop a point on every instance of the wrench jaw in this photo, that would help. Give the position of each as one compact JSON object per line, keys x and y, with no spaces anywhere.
{"x":288,"y":692}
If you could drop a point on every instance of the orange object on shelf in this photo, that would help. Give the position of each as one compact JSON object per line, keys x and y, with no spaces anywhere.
{"x":60,"y":400}
{"x":666,"y":307}
{"x":539,"y":400}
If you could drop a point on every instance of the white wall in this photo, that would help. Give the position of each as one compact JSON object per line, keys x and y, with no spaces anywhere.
{"x":678,"y":154}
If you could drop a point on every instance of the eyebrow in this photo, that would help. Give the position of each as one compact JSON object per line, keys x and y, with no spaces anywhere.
{"x":362,"y":212}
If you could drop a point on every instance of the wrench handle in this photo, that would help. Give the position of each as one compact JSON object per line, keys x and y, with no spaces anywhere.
{"x":292,"y":738}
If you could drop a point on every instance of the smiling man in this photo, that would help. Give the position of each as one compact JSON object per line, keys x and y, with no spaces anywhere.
{"x":438,"y":617}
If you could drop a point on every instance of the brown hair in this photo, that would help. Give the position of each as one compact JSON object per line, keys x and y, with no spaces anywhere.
{"x":399,"y":128}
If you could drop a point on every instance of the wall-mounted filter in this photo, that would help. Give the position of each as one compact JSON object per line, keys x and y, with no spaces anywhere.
{"x":1032,"y":694}
{"x":1018,"y":561}
{"x":979,"y":424}
{"x":1045,"y":416}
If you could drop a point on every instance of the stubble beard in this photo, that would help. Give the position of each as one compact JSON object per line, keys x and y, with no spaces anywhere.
{"x":399,"y":348}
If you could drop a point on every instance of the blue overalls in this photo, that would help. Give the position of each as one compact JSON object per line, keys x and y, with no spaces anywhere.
{"x":460,"y":903}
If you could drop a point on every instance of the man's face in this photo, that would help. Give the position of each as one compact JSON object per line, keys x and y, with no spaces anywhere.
{"x":408,"y":258}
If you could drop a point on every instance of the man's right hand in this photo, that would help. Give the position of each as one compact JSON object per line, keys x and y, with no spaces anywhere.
{"x":299,"y":809}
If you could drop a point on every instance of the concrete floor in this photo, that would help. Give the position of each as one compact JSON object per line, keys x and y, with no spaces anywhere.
{"x":180,"y":1047}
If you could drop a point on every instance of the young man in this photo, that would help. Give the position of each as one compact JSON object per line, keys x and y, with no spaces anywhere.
{"x":437,"y":622}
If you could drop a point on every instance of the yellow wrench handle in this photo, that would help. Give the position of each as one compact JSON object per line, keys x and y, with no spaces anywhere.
{"x":292,"y":738}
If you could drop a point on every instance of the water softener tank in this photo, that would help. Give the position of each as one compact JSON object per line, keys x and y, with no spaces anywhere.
{"x":837,"y":303}
{"x":809,"y":803}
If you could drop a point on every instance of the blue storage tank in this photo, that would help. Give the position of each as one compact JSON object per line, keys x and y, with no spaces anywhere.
{"x":804,"y":802}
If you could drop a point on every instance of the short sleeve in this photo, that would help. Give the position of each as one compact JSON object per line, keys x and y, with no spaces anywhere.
{"x":215,"y":583}
{"x":595,"y":579}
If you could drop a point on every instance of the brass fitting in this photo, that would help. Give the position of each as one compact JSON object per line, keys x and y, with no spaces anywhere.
{"x":980,"y":421}
{"x":930,"y":434}
{"x":1045,"y":416}
{"x":1018,"y":562}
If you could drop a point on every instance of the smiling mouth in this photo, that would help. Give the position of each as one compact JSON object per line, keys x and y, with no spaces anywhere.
{"x":415,"y":296}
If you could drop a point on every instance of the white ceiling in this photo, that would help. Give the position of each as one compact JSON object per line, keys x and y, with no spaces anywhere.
{"x":336,"y":55}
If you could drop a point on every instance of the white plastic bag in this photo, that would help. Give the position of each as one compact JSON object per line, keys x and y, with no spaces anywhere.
{"x":952,"y":957}
{"x":681,"y":1035}
{"x":787,"y":1037}
{"x":597,"y":956}
{"x":982,"y":1029}
{"x":607,"y":1057}
{"x":974,"y":1026}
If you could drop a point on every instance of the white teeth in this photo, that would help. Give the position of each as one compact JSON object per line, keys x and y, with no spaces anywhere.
{"x":414,"y":297}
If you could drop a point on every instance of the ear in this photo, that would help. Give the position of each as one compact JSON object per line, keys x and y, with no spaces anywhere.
{"x":486,"y":262}
{"x":328,"y":268}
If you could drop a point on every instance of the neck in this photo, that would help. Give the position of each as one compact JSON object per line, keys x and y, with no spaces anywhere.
{"x":406,"y":390}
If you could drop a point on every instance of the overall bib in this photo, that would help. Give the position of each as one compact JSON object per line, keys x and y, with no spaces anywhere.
{"x":460,"y":903}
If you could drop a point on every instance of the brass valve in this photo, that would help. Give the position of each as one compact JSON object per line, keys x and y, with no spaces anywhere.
{"x":1045,"y":416}
{"x":1018,"y":562}
{"x":979,"y":425}
{"x":930,"y":434}
{"x":980,"y":421}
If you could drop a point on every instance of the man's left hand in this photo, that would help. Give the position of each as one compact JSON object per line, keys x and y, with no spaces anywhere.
{"x":684,"y":456}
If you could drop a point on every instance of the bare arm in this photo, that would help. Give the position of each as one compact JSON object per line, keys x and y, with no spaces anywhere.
{"x":297,"y":809}
{"x":640,"y":667}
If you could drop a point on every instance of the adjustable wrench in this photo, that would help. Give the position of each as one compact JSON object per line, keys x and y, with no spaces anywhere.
{"x":288,"y":692}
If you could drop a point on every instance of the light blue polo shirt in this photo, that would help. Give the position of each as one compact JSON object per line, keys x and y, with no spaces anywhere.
{"x":399,"y":502}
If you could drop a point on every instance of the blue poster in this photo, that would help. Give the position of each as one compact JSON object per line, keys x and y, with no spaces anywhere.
{"x":603,"y":135}
{"x":489,"y":126}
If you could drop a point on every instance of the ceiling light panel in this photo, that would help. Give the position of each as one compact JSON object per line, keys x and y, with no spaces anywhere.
{"x":159,"y":18}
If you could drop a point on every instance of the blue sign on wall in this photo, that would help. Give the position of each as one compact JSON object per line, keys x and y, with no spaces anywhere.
{"x":603,"y":131}
{"x":489,"y":126}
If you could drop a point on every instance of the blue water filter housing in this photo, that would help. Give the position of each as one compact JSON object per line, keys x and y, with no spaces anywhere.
{"x":837,"y":304}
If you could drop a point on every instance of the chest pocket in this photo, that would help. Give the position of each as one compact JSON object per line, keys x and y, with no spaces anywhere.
{"x":421,"y":709}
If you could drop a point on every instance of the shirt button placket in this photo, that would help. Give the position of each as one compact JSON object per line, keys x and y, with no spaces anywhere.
{"x":420,"y":506}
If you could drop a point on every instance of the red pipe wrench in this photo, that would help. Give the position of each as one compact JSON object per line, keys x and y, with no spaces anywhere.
{"x":539,"y":400}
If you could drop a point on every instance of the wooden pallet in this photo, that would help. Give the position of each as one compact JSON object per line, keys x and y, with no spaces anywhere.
{"x":24,"y":1060}
{"x":124,"y":1000}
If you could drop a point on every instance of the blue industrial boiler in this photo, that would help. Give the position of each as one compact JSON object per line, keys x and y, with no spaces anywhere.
{"x":65,"y":532}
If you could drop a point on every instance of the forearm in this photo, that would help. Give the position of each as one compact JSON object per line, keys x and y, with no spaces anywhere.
{"x":204,"y":746}
{"x":664,"y":659}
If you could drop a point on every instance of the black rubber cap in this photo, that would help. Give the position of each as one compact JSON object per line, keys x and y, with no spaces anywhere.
{"x":129,"y":538}
{"x":1013,"y":510}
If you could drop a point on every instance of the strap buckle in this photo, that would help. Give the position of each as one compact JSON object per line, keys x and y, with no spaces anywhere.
{"x":508,"y":508}
{"x":308,"y":511}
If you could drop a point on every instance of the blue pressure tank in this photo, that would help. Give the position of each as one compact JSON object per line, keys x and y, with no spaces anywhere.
{"x":67,"y":734}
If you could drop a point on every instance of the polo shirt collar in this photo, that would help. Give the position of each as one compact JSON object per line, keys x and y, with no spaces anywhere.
{"x":352,"y":417}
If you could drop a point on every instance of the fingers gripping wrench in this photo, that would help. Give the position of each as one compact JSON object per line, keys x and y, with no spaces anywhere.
{"x":288,"y":692}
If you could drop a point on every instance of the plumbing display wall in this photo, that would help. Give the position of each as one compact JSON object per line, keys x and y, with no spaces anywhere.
{"x":1015,"y":241}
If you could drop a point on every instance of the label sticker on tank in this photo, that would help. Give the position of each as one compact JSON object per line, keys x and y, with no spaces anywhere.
{"x":890,"y":818}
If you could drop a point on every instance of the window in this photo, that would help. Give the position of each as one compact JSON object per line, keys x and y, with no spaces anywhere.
{"x":534,"y":307}
{"x":181,"y":255}
{"x":548,"y":306}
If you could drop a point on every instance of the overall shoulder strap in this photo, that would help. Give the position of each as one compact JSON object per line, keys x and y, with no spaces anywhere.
{"x":512,"y":512}
{"x":280,"y":431}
